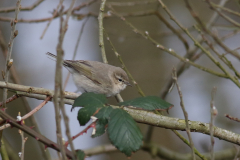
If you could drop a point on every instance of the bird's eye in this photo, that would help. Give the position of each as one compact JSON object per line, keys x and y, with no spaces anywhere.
{"x":120,"y":80}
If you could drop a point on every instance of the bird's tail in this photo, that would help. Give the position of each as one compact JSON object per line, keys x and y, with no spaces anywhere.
{"x":52,"y":55}
{"x":65,"y":64}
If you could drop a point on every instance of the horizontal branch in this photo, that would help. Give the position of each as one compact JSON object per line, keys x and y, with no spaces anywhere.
{"x":130,"y":4}
{"x":29,"y":8}
{"x":41,"y":97}
{"x":162,"y":152}
{"x":140,"y":116}
{"x":36,"y":90}
{"x":151,"y":118}
{"x":85,"y":4}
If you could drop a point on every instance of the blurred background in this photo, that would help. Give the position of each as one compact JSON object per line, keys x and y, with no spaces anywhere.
{"x":151,"y":68}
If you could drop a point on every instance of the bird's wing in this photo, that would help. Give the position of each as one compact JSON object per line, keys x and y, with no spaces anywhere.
{"x":84,"y":68}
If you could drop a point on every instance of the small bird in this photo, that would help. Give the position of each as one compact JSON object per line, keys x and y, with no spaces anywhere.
{"x":97,"y":77}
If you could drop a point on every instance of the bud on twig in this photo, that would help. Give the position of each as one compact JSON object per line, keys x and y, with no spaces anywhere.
{"x":9,"y":65}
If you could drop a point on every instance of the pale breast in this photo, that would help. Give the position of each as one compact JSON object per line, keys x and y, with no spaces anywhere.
{"x":84,"y":84}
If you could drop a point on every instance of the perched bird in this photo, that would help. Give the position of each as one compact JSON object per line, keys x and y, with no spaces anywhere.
{"x":97,"y":77}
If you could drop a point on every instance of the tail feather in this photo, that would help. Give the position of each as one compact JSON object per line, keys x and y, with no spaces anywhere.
{"x":52,"y":55}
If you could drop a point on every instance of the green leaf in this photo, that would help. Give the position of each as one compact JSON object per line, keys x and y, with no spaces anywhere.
{"x":84,"y":114}
{"x":100,"y":129}
{"x":124,"y":132}
{"x":80,"y":155}
{"x":103,"y":116}
{"x":90,"y":99}
{"x":150,"y":103}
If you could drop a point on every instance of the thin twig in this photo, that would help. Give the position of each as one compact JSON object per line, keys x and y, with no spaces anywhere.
{"x":214,"y":60}
{"x":192,"y":53}
{"x":169,"y":26}
{"x":49,"y":22}
{"x":92,"y":125}
{"x":15,"y":78}
{"x":58,"y":83}
{"x":130,"y":4}
{"x":100,"y":23}
{"x":221,"y":56}
{"x":10,"y":99}
{"x":37,"y":108}
{"x":101,"y":39}
{"x":34,"y":134}
{"x":211,"y":124}
{"x":232,"y":118}
{"x":75,"y":50}
{"x":9,"y":62}
{"x":173,"y":53}
{"x":186,"y":142}
{"x":29,"y":8}
{"x":237,"y":152}
{"x":225,"y":9}
{"x":235,"y":23}
{"x":85,"y":4}
{"x":23,"y":143}
{"x":28,"y":114}
{"x":123,"y":65}
{"x":212,"y":34}
{"x":174,"y":74}
{"x":7,"y":125}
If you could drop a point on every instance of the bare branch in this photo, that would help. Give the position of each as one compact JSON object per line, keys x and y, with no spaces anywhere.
{"x":153,"y":119}
{"x":100,"y":23}
{"x":36,"y":90}
{"x":29,"y":8}
{"x":9,"y":61}
{"x":130,"y":4}
{"x":124,"y":66}
{"x":75,"y":50}
{"x":205,"y":29}
{"x":10,"y":99}
{"x":85,"y":4}
{"x":37,"y":108}
{"x":58,"y":91}
{"x":49,"y":22}
{"x":184,"y":112}
{"x":211,"y":124}
{"x":232,"y":118}
{"x":33,"y":133}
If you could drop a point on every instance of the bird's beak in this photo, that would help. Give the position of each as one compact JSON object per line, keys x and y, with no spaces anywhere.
{"x":128,"y":84}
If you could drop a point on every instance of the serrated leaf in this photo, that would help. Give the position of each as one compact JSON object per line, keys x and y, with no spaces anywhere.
{"x":90,"y":99}
{"x":100,"y":129}
{"x":80,"y":155}
{"x":124,"y":132}
{"x":150,"y":103}
{"x":102,"y":115}
{"x":84,"y":114}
